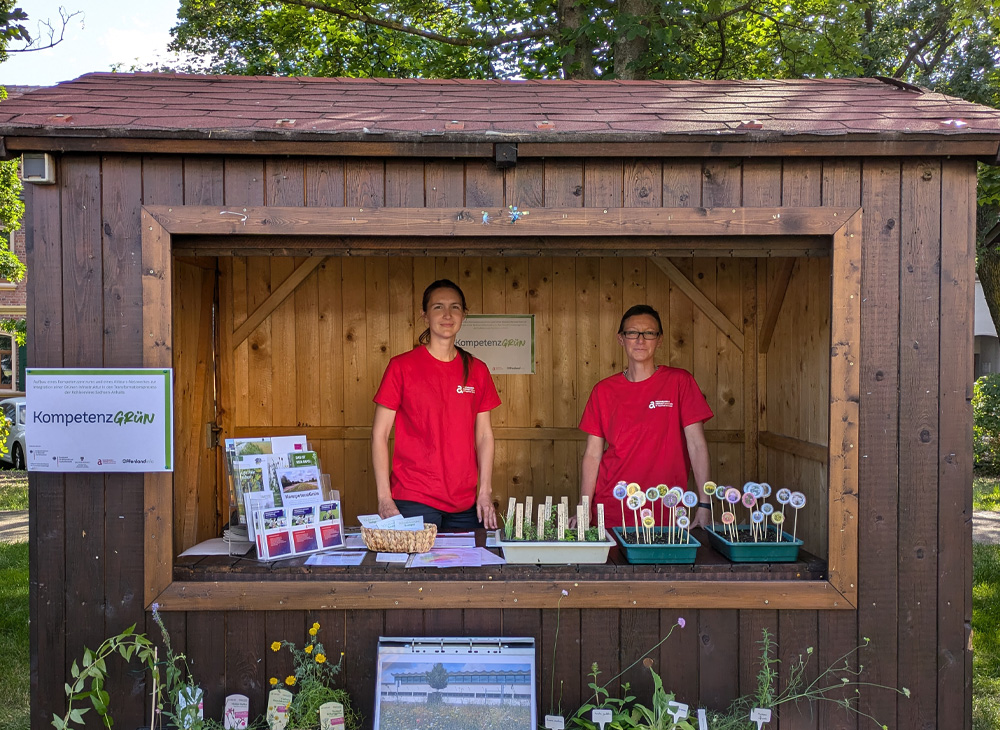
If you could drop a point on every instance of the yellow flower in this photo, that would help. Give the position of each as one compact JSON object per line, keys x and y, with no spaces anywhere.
{"x":320,"y":658}
{"x":313,"y":631}
{"x":309,"y":649}
{"x":316,"y":625}
{"x":289,"y":680}
{"x":275,"y":645}
{"x":274,"y":681}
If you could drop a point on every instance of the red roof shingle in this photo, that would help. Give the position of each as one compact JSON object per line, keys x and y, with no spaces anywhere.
{"x":242,"y":107}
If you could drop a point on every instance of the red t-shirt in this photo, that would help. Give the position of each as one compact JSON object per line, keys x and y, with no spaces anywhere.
{"x":643,"y":424}
{"x":434,"y":459}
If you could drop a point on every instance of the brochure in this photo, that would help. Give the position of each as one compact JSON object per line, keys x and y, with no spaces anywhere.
{"x":273,"y":451}
{"x":288,"y":531}
{"x":303,"y":458}
{"x":299,"y":485}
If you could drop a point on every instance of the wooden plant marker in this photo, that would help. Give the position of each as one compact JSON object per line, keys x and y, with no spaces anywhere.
{"x":540,"y":527}
{"x":519,"y":522}
{"x":600,"y":524}
{"x":548,"y":506}
{"x":581,"y":526}
{"x":510,"y":510}
{"x":563,"y":520}
{"x":528,"y":504}
{"x":586,"y":512}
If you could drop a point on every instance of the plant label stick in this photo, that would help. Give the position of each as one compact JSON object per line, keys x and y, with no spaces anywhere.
{"x":331,"y":716}
{"x":702,"y":719}
{"x":564,"y":501}
{"x":554,"y":722}
{"x":601,"y":717}
{"x":563,"y":519}
{"x":586,"y":512}
{"x":548,"y":506}
{"x":519,"y":522}
{"x":600,"y":525}
{"x":528,"y":504}
{"x":541,"y":522}
{"x":581,"y":527}
{"x":677,"y":710}
{"x":510,"y":509}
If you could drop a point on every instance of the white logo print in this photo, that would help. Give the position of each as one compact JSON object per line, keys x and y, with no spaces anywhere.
{"x":465,"y":389}
{"x":660,"y":404}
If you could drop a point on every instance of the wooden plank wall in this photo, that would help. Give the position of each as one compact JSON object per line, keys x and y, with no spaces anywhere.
{"x":915,"y":444}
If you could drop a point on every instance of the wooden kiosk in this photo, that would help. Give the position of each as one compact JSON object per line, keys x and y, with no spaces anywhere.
{"x":810,"y":245}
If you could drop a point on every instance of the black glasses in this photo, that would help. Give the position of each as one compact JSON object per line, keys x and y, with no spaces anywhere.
{"x":634,"y":335}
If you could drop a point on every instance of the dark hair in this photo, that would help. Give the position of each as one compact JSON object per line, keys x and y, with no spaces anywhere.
{"x":636,"y":311}
{"x":425,"y":336}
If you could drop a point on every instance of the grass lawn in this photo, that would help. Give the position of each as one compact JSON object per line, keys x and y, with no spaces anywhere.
{"x":13,"y":490}
{"x":14,"y":636}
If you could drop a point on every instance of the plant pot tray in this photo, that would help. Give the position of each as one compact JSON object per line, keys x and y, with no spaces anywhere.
{"x":680,"y":552}
{"x":786,"y":551}
{"x":525,"y":552}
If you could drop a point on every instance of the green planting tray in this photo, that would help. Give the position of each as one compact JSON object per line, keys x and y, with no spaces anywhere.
{"x":786,"y":551}
{"x":682,"y":553}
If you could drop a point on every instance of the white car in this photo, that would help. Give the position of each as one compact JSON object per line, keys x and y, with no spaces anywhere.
{"x":15,"y":410}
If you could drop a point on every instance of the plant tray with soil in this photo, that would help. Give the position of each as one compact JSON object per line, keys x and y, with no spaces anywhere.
{"x":739,"y":546}
{"x":657,"y":545}
{"x":553,"y":552}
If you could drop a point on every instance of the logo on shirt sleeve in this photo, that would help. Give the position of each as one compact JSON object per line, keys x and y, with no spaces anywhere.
{"x":660,"y":404}
{"x":465,"y":389}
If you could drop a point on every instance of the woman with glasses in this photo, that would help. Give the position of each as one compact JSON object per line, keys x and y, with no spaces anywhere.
{"x":438,"y":397}
{"x":644,"y":425}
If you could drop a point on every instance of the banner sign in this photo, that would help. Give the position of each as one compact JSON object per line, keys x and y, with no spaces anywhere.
{"x":505,"y":342}
{"x":99,"y":420}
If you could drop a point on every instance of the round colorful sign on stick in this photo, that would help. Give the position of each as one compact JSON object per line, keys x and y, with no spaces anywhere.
{"x":642,"y":498}
{"x":767,"y":489}
{"x":797,"y":500}
{"x":757,"y":491}
{"x":645,"y":512}
{"x":783,"y":495}
{"x":749,"y":501}
{"x":648,"y":521}
{"x":681,"y":512}
{"x":633,"y":488}
{"x":777,"y":518}
{"x":733,"y":495}
{"x":633,"y":502}
{"x":620,"y":492}
{"x":652,"y":494}
{"x":757,"y":516}
{"x":671,"y":500}
{"x":690,"y":499}
{"x":767,"y":508}
{"x":728,"y":518}
{"x":710,"y":488}
{"x":747,"y":486}
{"x":662,"y":489}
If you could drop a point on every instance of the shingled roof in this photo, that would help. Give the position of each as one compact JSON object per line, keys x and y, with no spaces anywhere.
{"x":242,"y":107}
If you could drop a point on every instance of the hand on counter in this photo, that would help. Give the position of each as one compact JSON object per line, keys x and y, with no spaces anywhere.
{"x":702,"y":517}
{"x":387,"y":508}
{"x":485,"y":510}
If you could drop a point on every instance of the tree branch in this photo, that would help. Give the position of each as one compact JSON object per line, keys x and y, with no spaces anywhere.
{"x":50,"y":33}
{"x":480,"y":42}
{"x":918,"y":46}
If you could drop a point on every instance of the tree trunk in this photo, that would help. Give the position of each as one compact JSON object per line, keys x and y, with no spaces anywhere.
{"x":578,"y":62}
{"x":988,"y":271}
{"x":628,"y":51}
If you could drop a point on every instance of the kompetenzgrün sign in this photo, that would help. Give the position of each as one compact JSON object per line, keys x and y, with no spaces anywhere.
{"x":99,"y":420}
{"x":505,"y":342}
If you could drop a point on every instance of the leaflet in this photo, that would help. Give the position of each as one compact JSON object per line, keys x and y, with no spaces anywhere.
{"x":283,"y":532}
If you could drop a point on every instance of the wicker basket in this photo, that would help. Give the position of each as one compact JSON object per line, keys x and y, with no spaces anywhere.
{"x":400,"y":541}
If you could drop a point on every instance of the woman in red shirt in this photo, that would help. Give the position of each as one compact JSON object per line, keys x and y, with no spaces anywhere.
{"x":438,"y":397}
{"x":650,"y":418}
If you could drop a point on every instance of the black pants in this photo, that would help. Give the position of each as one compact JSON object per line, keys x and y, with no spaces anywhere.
{"x":445,"y":521}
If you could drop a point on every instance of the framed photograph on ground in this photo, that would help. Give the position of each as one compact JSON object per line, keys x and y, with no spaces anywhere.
{"x":455,"y":683}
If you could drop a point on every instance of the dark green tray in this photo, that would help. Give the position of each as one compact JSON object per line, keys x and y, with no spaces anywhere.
{"x":786,"y":551}
{"x":682,"y":553}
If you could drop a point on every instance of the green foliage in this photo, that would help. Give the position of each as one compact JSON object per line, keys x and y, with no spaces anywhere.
{"x":14,"y":654}
{"x":438,"y":676}
{"x":986,"y":420}
{"x":986,"y":637}
{"x":13,"y":492}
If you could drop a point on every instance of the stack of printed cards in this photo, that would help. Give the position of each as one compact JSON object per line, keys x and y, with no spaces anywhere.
{"x":284,"y":532}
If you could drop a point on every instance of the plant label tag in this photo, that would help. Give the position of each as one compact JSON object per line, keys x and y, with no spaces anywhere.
{"x":677,"y":710}
{"x":190,"y":707}
{"x":236,"y":715}
{"x":760,"y":715}
{"x":563,"y":520}
{"x":548,"y":507}
{"x":601,"y":717}
{"x":581,"y":527}
{"x":555,"y":722}
{"x":331,"y":716}
{"x":564,"y":501}
{"x":600,"y":521}
{"x":702,"y":719}
{"x":510,"y":509}
{"x":540,"y":527}
{"x":529,"y":502}
{"x":519,"y":522}
{"x":278,"y":701}
{"x":586,"y":511}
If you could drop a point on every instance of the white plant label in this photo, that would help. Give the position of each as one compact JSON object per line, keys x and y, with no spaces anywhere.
{"x":519,"y":522}
{"x":600,"y":521}
{"x":601,"y":717}
{"x":555,"y":722}
{"x":548,"y":507}
{"x":236,"y":715}
{"x":702,"y":719}
{"x":278,"y":701}
{"x":331,"y":716}
{"x":760,"y":715}
{"x":581,"y":524}
{"x":677,"y":710}
{"x":540,"y":526}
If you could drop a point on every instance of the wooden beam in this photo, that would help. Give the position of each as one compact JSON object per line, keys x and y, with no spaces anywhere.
{"x":157,"y":275}
{"x":546,"y":222}
{"x":419,"y":593}
{"x":794,"y":446}
{"x":701,"y":301}
{"x":774,"y":302}
{"x":845,"y":395}
{"x":274,"y":301}
{"x":364,"y":433}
